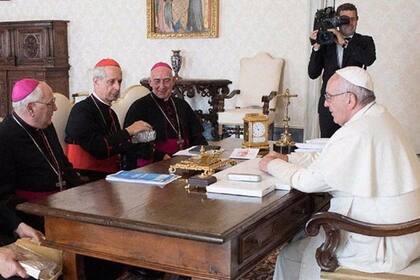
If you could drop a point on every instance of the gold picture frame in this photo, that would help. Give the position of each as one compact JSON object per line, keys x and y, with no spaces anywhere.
{"x":188,"y":19}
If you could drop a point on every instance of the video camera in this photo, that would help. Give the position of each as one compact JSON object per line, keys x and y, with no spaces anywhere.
{"x":326,"y":19}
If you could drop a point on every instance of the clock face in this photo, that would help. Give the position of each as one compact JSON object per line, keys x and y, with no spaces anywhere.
{"x":258,"y":131}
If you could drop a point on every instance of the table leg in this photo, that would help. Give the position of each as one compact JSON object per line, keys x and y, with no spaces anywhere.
{"x":73,"y":266}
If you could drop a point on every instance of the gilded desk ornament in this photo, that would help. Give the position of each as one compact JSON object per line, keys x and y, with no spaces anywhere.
{"x":207,"y":162}
{"x":285,"y":144}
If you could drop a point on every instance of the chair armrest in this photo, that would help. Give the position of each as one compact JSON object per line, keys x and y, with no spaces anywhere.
{"x":219,"y":104}
{"x":265,"y":99}
{"x":332,"y":223}
{"x":232,"y":93}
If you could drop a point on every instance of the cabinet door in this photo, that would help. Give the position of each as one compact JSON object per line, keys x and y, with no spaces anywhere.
{"x":6,"y":54}
{"x":4,"y":95}
{"x":32,"y":46}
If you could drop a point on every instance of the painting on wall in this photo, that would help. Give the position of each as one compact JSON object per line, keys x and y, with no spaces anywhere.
{"x":182,"y":19}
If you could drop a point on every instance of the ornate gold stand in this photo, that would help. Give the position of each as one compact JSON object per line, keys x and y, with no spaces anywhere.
{"x":206,"y":161}
{"x":285,"y":144}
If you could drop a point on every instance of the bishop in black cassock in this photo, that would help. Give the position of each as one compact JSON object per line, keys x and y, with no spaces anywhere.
{"x":176,"y":124}
{"x":33,"y":164}
{"x":96,"y":142}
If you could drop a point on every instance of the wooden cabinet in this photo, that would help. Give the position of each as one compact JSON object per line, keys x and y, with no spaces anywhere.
{"x":32,"y":49}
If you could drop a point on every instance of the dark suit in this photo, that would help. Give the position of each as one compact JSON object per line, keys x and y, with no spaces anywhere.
{"x":360,"y":51}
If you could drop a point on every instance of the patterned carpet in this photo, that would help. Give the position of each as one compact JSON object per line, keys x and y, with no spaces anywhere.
{"x":263,"y":271}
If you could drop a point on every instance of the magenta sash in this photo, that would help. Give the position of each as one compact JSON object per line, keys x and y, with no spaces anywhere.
{"x":31,"y":196}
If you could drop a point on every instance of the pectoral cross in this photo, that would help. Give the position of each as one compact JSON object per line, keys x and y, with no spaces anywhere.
{"x":180,"y":142}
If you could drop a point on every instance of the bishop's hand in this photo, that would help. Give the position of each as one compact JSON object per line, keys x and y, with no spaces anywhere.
{"x":137,"y":127}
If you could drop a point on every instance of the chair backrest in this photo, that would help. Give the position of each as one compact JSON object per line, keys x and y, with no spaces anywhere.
{"x":259,"y":75}
{"x":60,"y":116}
{"x":79,"y":96}
{"x":130,"y":95}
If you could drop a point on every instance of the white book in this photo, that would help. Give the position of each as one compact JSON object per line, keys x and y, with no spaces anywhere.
{"x":241,"y":188}
{"x":257,"y":189}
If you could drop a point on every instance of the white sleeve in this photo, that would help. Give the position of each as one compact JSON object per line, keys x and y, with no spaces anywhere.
{"x":303,"y":159}
{"x":300,"y":178}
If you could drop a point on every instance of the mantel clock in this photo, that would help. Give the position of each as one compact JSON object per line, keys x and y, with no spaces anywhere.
{"x":256,"y":131}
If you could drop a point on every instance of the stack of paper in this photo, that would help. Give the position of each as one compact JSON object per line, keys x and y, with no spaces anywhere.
{"x":134,"y":176}
{"x":267,"y":184}
{"x":312,"y":145}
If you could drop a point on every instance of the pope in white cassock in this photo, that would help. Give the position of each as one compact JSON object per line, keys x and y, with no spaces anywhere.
{"x":372,"y":172}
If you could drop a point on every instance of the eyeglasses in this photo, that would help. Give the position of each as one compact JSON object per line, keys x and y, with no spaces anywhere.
{"x":329,"y":97}
{"x":165,"y":81}
{"x":49,"y":104}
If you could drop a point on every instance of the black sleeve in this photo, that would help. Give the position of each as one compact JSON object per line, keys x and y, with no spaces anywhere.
{"x":316,"y":63}
{"x":9,"y":219}
{"x":143,"y":150}
{"x":195,"y":128}
{"x":86,"y":131}
{"x":364,"y":52}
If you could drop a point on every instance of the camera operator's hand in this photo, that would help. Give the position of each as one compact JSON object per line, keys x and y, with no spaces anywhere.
{"x":339,"y":38}
{"x":138,"y":126}
{"x":312,"y":37}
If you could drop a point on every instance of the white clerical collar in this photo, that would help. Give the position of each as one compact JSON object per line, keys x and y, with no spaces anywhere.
{"x":361,"y":112}
{"x":97,"y":97}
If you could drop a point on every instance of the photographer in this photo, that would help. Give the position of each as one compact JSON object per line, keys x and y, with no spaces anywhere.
{"x":348,"y":49}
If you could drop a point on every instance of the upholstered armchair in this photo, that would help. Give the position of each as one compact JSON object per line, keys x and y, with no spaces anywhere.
{"x":326,"y":257}
{"x":259,"y":81}
{"x":59,"y":118}
{"x":127,"y":98}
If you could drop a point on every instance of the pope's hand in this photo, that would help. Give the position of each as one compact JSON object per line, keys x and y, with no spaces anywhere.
{"x":138,"y":126}
{"x":269,"y":157}
{"x":9,"y":265}
{"x":23,"y":230}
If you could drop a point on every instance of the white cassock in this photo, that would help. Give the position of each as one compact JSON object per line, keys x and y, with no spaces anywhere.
{"x":373,"y":174}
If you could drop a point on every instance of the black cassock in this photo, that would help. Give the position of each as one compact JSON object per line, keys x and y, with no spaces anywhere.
{"x":27,"y":173}
{"x":167,"y":124}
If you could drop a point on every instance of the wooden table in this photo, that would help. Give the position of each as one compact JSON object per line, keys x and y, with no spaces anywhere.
{"x":170,"y":229}
{"x":213,"y":89}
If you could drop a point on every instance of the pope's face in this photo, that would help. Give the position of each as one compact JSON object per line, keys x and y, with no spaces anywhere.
{"x":349,"y":29}
{"x":337,"y":100}
{"x":108,"y":88}
{"x":162,"y":82}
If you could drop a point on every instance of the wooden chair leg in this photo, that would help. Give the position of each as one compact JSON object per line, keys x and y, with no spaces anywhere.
{"x":271,"y":131}
{"x":220,"y":131}
{"x":237,"y":131}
